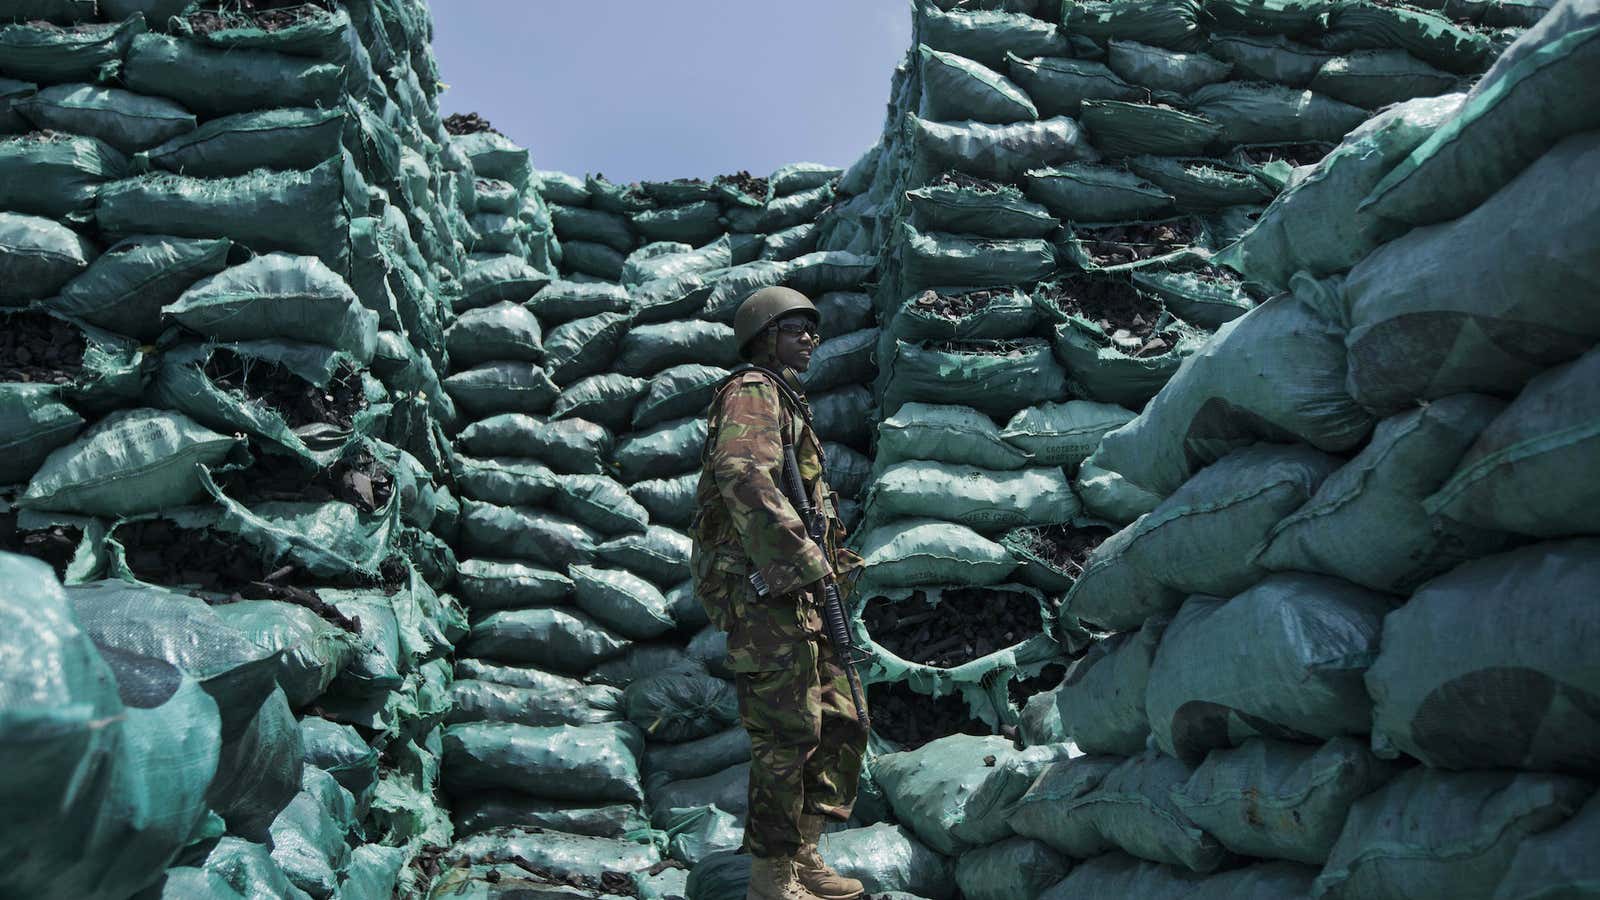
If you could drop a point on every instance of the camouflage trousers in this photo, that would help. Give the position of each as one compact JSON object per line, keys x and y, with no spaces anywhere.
{"x":805,"y":745}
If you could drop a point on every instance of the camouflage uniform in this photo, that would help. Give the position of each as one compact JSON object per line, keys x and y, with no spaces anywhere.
{"x":794,"y":699}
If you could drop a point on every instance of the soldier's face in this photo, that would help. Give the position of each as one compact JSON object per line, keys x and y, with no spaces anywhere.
{"x":797,"y":337}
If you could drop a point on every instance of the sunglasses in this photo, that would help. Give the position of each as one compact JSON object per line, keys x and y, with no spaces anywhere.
{"x":795,"y":329}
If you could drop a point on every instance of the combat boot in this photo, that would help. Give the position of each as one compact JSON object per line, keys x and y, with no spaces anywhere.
{"x":815,"y":875}
{"x":774,"y":878}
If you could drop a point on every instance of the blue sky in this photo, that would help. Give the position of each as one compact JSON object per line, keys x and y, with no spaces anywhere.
{"x":658,"y":89}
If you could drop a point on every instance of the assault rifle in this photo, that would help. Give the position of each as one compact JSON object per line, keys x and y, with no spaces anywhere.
{"x":834,"y":623}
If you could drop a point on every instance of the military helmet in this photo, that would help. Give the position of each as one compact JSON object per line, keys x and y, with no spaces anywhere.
{"x":766,"y":306}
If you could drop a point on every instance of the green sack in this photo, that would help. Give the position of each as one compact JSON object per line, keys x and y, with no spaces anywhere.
{"x":1119,"y":875}
{"x":584,"y":763}
{"x":844,"y":416}
{"x":643,"y":267}
{"x":635,"y":608}
{"x":829,"y":270}
{"x":373,"y":872}
{"x":598,"y":502}
{"x":780,"y":213}
{"x":1202,"y":183}
{"x":888,"y":858}
{"x":1495,"y":606}
{"x":585,"y":346}
{"x":44,"y":53}
{"x":952,"y":434}
{"x":279,"y":296}
{"x":502,"y":387}
{"x":957,"y":89}
{"x":990,"y":210}
{"x":838,"y":362}
{"x":994,"y":377}
{"x":648,"y":349}
{"x":1001,"y":313}
{"x":719,"y":876}
{"x":1272,"y":374}
{"x":670,"y":501}
{"x":659,"y":554}
{"x":216,"y":82}
{"x":917,"y":552}
{"x":505,"y":482}
{"x":494,"y":279}
{"x":1201,"y":539}
{"x":691,"y":223}
{"x":1086,"y":192}
{"x":340,"y":751}
{"x":312,"y":650}
{"x":497,"y":233}
{"x":1441,"y":296}
{"x":58,"y":12}
{"x":1283,"y":17}
{"x":593,"y":259}
{"x":126,"y":288}
{"x":564,"y":856}
{"x":1062,"y":434}
{"x":697,"y":758}
{"x":671,"y":448}
{"x":987,"y":35}
{"x":1131,"y":810}
{"x":1058,"y":86}
{"x":681,"y":706}
{"x":606,"y":400}
{"x":951,"y":797}
{"x":1271,"y":58}
{"x":487,"y":584}
{"x":546,"y":700}
{"x":683,"y":390}
{"x":1260,"y":113}
{"x":292,"y":212}
{"x":576,"y":224}
{"x":1164,"y":70}
{"x":847,"y":471}
{"x":308,"y":837}
{"x":929,"y":260}
{"x":1426,"y":35}
{"x":557,"y":639}
{"x":35,"y":423}
{"x":500,"y":808}
{"x":1013,"y":867}
{"x":127,"y":121}
{"x":570,"y":446}
{"x":315,"y":33}
{"x":1373,"y":79}
{"x":13,"y":92}
{"x":504,"y":331}
{"x":1558,"y":856}
{"x":986,"y":501}
{"x":1446,"y":833}
{"x":55,"y":175}
{"x":131,"y":462}
{"x":791,"y":242}
{"x":641,"y":661}
{"x":234,"y":145}
{"x":1121,"y":128}
{"x":1315,"y":637}
{"x":1278,"y":800}
{"x":727,"y":790}
{"x":1314,"y":225}
{"x":1167,"y":23}
{"x":1101,"y":701}
{"x":1368,"y":523}
{"x":494,"y":155}
{"x":997,"y":152}
{"x":732,"y":285}
{"x":37,"y":257}
{"x":524,"y":533}
{"x":1501,"y":129}
{"x":563,"y":301}
{"x":1202,"y":295}
{"x":1517,"y":476}
{"x":1102,"y":370}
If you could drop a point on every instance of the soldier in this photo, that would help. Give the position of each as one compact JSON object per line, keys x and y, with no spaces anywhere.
{"x":806,"y":743}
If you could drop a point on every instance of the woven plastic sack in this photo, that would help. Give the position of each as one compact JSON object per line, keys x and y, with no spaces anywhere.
{"x":648,"y":349}
{"x":584,"y":347}
{"x":1013,"y":867}
{"x":1119,"y":875}
{"x":308,"y":836}
{"x":634,"y":607}
{"x":1373,"y":79}
{"x":916,"y":552}
{"x":1159,"y":69}
{"x":1000,"y":313}
{"x":993,"y":377}
{"x":127,"y":121}
{"x":669,"y":501}
{"x":1063,"y":434}
{"x":556,"y":639}
{"x":312,"y":651}
{"x":577,"y":224}
{"x":1261,"y":113}
{"x":505,"y":482}
{"x":957,"y":435}
{"x":727,"y":790}
{"x":1522,"y":473}
{"x":1101,"y":701}
{"x":43,"y":53}
{"x":37,"y":257}
{"x":1427,"y":35}
{"x":681,"y":706}
{"x":524,"y":533}
{"x":1131,"y":809}
{"x":605,"y":400}
{"x":1088,"y":192}
{"x":1557,"y":857}
{"x":215,"y":82}
{"x":1201,"y":183}
{"x":497,"y":388}
{"x":279,"y":296}
{"x":996,"y":212}
{"x":1315,"y":637}
{"x":571,"y":446}
{"x":1122,"y":128}
{"x":541,"y":699}
{"x":659,"y":554}
{"x":494,"y":279}
{"x":1446,"y":833}
{"x":987,"y":35}
{"x":36,"y":422}
{"x":1449,"y":306}
{"x":692,"y":223}
{"x":957,"y":89}
{"x":984,"y":500}
{"x":676,"y":392}
{"x":56,"y":175}
{"x":1521,"y":699}
{"x":668,"y":449}
{"x":1315,"y":224}
{"x":1272,"y":374}
{"x":1367,"y":523}
{"x":999,"y":152}
{"x":236,"y":144}
{"x":1168,"y":23}
{"x":930,"y":260}
{"x":496,"y":809}
{"x":125,"y":289}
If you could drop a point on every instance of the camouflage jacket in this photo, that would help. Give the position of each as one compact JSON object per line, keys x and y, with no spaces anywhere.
{"x":744,"y":523}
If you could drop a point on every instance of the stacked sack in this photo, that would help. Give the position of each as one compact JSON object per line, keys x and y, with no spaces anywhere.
{"x":229,"y":242}
{"x":1354,"y":486}
{"x":592,"y":699}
